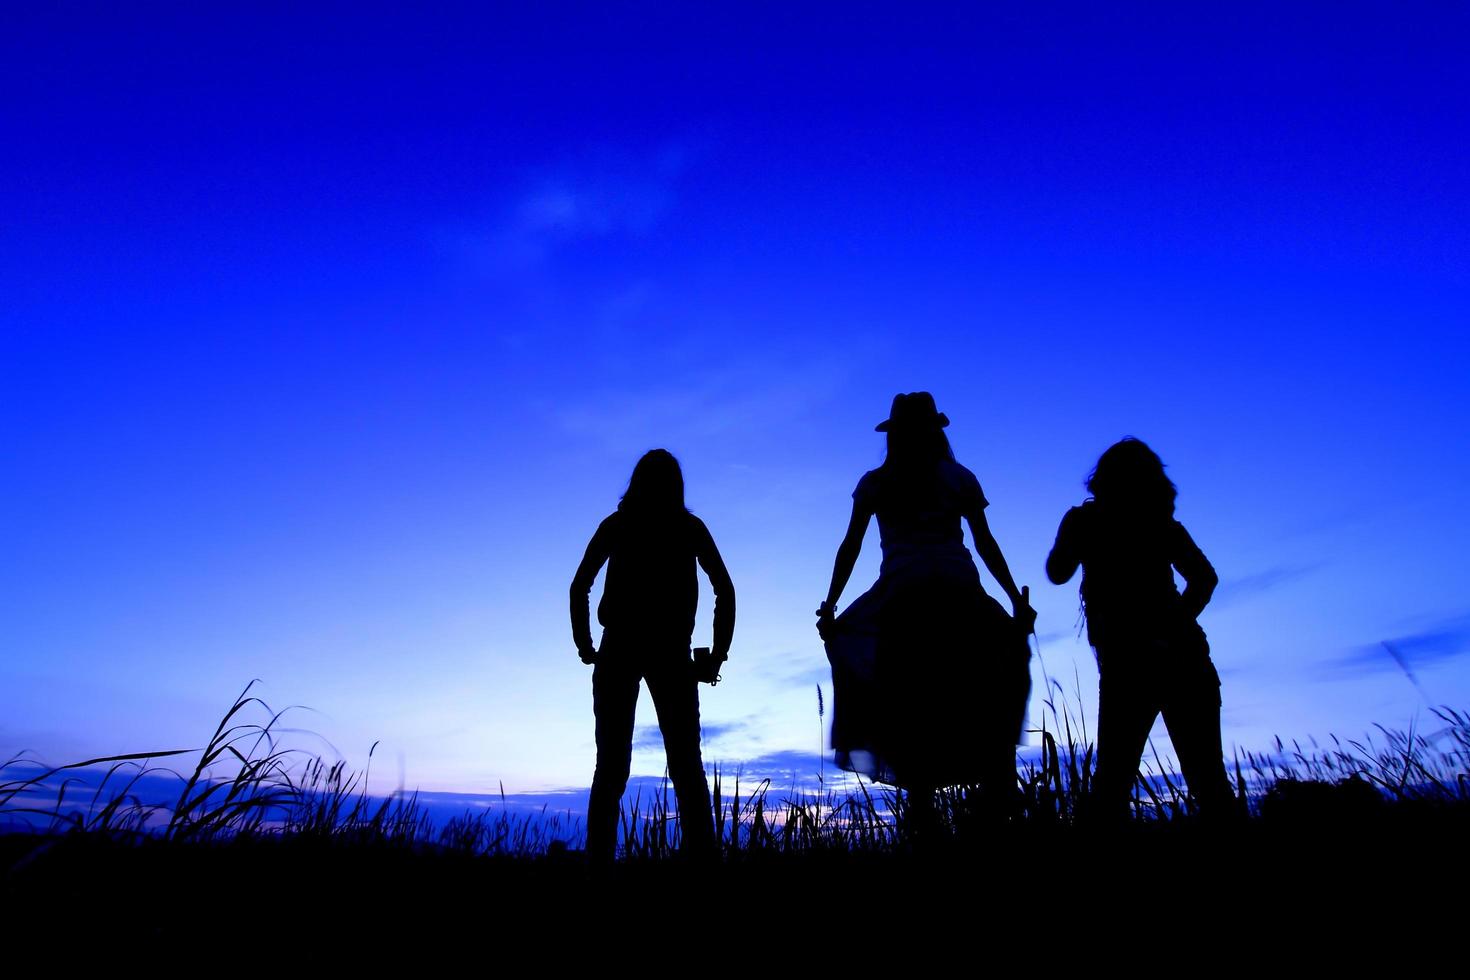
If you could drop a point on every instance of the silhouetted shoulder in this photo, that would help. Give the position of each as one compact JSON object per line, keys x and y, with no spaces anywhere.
{"x":1186,"y":556}
{"x":960,"y":486}
{"x":865,"y":494}
{"x":702,"y":543}
{"x":698,"y":531}
{"x":601,"y":545}
{"x":965,"y":485}
{"x":1076,"y":519}
{"x":1179,"y":537}
{"x":1066,"y":552}
{"x":605,"y":539}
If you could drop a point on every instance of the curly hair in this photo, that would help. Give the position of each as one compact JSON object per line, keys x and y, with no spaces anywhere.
{"x":1130,"y":476}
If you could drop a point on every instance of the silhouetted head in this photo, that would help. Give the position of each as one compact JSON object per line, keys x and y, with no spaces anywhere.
{"x":915,"y":428}
{"x":656,"y":487}
{"x":1130,"y":476}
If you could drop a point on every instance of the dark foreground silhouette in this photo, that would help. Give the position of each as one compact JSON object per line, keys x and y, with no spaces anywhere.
{"x":1152,"y":656}
{"x":650,"y":546}
{"x":269,"y":860}
{"x":1023,"y":890}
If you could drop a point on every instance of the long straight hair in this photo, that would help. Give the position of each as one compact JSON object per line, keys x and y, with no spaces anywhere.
{"x":1129,"y":479}
{"x":911,"y":465}
{"x":656,"y":488}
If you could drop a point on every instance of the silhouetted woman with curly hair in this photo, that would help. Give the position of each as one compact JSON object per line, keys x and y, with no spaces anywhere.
{"x":1152,"y":656}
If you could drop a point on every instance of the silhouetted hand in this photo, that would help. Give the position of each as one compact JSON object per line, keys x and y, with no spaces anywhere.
{"x":825,"y":621}
{"x":707,"y":665}
{"x":1025,"y":615}
{"x":588,"y":655}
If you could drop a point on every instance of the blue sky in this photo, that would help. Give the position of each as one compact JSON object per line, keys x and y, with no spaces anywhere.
{"x":328,"y":339}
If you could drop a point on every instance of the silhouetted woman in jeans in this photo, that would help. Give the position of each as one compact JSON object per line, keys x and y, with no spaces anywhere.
{"x":650,"y":545}
{"x":1152,"y":656}
{"x":930,"y":676}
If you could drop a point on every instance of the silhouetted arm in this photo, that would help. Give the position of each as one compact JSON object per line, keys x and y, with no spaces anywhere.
{"x":598,"y":550}
{"x":1065,"y":556}
{"x":847,"y":555}
{"x":1199,"y":575}
{"x":719,"y":580}
{"x":989,"y":552}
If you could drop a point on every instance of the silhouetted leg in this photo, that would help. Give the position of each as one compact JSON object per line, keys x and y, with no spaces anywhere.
{"x":1126,"y":710}
{"x":676,"y":698}
{"x":614,"y":701}
{"x":922,"y":818}
{"x":1000,"y":790}
{"x":1192,"y":714}
{"x":904,"y":681}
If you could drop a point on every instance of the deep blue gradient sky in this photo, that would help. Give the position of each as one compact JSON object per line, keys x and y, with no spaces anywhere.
{"x":328,"y":339}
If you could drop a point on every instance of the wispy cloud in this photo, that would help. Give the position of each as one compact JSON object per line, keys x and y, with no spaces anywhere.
{"x":1239,"y":589}
{"x":714,"y":731}
{"x":1441,"y":642}
{"x":602,"y":195}
{"x":794,"y":670}
{"x":741,"y":396}
{"x":1060,"y":636}
{"x":648,"y":738}
{"x":781,"y":767}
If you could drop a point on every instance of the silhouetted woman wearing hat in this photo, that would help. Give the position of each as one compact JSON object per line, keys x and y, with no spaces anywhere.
{"x":650,"y":544}
{"x":930,"y":676}
{"x":1152,"y":656}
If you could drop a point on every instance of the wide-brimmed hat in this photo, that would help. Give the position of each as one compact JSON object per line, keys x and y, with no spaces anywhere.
{"x":915,"y":410}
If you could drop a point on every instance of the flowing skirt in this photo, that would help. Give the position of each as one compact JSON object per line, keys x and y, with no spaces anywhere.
{"x":930,"y":678}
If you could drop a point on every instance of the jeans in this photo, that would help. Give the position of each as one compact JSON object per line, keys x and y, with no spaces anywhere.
{"x":669,"y":670}
{"x":1131,"y":695}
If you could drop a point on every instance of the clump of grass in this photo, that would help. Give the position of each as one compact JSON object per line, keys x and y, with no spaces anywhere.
{"x":246,"y":786}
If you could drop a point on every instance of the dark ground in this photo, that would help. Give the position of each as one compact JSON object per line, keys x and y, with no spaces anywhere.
{"x":1296,"y":882}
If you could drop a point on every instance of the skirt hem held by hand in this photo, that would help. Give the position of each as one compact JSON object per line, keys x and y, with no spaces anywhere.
{"x":930,"y":678}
